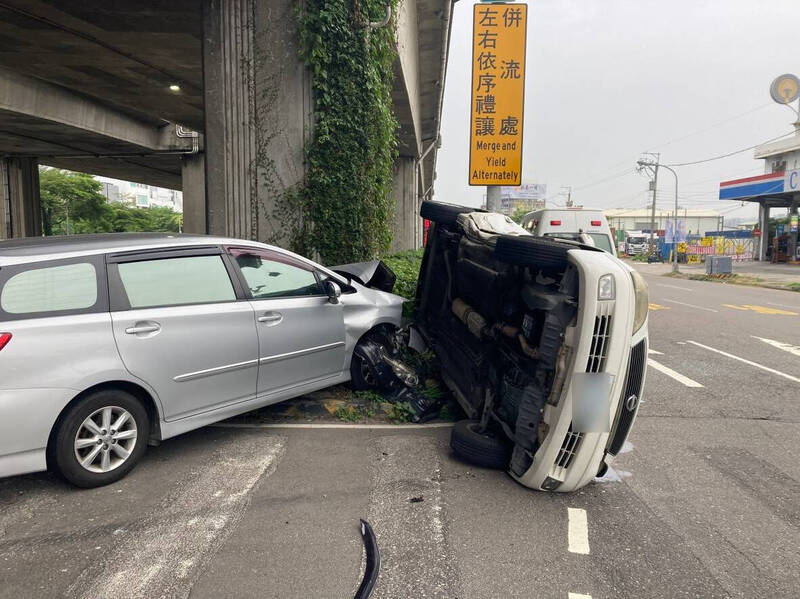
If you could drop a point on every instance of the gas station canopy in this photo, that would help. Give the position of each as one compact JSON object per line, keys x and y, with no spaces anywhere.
{"x":777,"y":188}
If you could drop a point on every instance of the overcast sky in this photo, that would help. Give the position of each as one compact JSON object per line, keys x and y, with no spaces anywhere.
{"x":609,"y":79}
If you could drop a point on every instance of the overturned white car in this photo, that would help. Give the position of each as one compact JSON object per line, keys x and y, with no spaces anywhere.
{"x":544,"y":343}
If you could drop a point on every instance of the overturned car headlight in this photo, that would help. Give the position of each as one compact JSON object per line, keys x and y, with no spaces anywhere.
{"x":605,"y":288}
{"x":642,"y":300}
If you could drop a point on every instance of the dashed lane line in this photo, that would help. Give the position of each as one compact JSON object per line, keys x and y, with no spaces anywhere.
{"x":787,"y":347}
{"x":683,"y":380}
{"x":654,"y":352}
{"x":672,"y":301}
{"x":578,"y":531}
{"x":674,"y":287}
{"x":579,"y":596}
{"x":750,"y":362}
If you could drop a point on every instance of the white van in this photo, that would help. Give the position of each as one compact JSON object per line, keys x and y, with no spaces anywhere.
{"x":587,"y":226}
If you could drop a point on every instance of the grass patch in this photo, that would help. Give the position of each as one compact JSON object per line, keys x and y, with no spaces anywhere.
{"x":399,"y":412}
{"x":352,"y":413}
{"x":737,"y":279}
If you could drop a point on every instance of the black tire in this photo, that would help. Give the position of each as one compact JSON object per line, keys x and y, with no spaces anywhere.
{"x":361,"y":376}
{"x":64,"y":444}
{"x":482,"y":449}
{"x":535,"y":252}
{"x":444,"y":214}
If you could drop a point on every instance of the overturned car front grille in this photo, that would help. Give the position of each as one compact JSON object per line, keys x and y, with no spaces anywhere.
{"x":633,"y":389}
{"x":569,"y":448}
{"x":600,"y":338}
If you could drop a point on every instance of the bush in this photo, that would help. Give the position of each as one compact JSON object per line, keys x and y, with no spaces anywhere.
{"x":406,"y":266}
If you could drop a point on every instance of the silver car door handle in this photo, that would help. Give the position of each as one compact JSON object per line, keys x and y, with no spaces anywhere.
{"x":274,"y":317}
{"x":145,"y":328}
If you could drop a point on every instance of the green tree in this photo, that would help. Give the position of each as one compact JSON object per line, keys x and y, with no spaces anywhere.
{"x":518,"y":214}
{"x":72,"y":203}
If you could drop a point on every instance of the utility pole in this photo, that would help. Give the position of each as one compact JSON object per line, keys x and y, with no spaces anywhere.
{"x":654,"y":166}
{"x":569,"y":195}
{"x":651,"y":163}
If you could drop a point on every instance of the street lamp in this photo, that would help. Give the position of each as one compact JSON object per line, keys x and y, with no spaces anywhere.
{"x":675,"y":220}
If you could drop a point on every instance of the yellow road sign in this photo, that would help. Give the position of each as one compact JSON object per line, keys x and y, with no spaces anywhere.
{"x":498,"y":93}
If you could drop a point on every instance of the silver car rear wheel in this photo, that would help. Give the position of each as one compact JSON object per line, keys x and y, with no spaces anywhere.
{"x":105,"y":439}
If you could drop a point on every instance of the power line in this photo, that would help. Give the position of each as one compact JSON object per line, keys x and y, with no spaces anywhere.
{"x":714,"y":126}
{"x":603,"y":180}
{"x":732,"y":153}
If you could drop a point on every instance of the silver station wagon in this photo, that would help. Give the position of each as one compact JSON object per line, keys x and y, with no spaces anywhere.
{"x":109,"y":342}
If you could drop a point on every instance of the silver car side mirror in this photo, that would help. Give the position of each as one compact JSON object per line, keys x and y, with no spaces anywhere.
{"x":333,"y":290}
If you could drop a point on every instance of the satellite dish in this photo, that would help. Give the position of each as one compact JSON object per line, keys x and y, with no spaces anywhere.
{"x":785,"y":89}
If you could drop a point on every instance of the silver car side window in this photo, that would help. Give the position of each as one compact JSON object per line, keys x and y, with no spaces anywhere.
{"x":268,"y":278}
{"x":176,"y":281}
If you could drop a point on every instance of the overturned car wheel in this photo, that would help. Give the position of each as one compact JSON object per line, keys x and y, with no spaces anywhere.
{"x":445,"y":214}
{"x":482,"y":449}
{"x":533,"y":251}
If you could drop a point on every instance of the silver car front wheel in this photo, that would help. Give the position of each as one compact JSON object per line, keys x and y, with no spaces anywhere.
{"x":105,"y":439}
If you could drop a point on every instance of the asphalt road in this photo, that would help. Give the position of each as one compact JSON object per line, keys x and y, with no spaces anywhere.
{"x":705,"y":502}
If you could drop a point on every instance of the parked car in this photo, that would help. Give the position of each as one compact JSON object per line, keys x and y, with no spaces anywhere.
{"x":109,"y":342}
{"x":575,"y":224}
{"x":542,"y":341}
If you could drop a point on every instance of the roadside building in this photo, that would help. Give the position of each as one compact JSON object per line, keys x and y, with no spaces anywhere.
{"x":692,"y":222}
{"x":529,"y":196}
{"x":140,"y":194}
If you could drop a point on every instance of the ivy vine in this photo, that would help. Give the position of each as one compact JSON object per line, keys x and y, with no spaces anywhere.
{"x":346,"y":203}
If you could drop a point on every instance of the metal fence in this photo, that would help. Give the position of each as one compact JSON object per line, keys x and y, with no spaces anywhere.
{"x":697,"y":248}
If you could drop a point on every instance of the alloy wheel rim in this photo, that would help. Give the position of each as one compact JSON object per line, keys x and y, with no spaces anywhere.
{"x":105,"y":439}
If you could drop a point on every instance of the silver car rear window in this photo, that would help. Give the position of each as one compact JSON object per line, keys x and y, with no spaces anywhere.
{"x":51,"y":289}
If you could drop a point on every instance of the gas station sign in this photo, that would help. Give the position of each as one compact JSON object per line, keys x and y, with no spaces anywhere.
{"x":498,"y":93}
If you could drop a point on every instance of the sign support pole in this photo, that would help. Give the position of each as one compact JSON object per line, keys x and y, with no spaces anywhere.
{"x":493,"y":198}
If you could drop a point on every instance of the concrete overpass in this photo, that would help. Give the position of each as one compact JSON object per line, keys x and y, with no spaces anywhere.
{"x":182,"y":95}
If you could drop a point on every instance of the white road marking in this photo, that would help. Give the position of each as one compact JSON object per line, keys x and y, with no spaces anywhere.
{"x":578,"y":596}
{"x":654,"y":352}
{"x":787,"y":347}
{"x":578,"y":531}
{"x":681,"y":342}
{"x":684,"y":380}
{"x":784,"y":305}
{"x":690,"y":305}
{"x":674,"y":287}
{"x":750,"y":362}
{"x":328,"y":425}
{"x":163,"y":555}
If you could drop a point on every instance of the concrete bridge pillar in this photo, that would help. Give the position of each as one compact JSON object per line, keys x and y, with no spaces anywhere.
{"x":407,"y":224}
{"x":257,"y":112}
{"x":20,"y":204}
